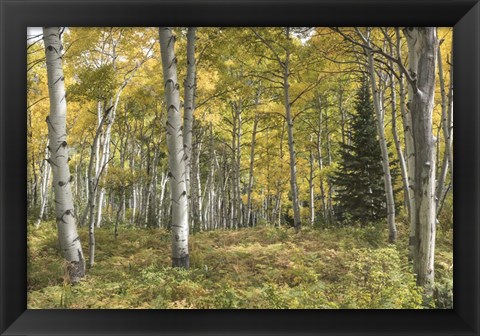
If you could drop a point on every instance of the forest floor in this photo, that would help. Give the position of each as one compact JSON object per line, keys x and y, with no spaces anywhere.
{"x":263,"y":267}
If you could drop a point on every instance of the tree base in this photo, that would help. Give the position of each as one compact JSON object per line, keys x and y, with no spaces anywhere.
{"x":392,"y":237}
{"x":183,"y":262}
{"x":76,"y":271}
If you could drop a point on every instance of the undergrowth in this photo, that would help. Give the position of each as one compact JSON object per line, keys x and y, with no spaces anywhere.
{"x":262,"y":267}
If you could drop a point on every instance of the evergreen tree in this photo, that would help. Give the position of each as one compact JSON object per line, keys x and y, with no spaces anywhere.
{"x":360,"y":193}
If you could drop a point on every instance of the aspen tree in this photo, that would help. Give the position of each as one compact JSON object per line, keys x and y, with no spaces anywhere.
{"x":176,"y":157}
{"x":423,"y":44}
{"x":58,"y":158}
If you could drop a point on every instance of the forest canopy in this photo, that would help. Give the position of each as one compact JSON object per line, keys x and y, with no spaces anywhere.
{"x":272,"y":167}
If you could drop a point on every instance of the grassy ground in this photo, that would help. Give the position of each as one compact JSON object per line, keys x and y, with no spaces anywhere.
{"x":263,"y":267}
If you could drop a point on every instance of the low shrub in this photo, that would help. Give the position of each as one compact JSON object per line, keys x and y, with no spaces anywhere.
{"x":263,"y":267}
{"x":375,"y":279}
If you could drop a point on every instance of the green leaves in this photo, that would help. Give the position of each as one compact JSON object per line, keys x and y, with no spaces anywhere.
{"x":375,"y":280}
{"x":93,"y":83}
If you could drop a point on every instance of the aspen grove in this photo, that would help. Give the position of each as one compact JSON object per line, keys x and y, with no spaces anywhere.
{"x":273,"y":167}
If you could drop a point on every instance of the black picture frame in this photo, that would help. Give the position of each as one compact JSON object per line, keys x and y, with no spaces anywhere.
{"x":16,"y":15}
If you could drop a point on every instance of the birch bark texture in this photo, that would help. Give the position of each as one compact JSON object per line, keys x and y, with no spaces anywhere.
{"x":176,"y":157}
{"x":188,"y":104}
{"x":447,"y":127}
{"x":65,"y":215}
{"x":45,"y":184}
{"x":411,"y":37}
{"x":423,"y":44}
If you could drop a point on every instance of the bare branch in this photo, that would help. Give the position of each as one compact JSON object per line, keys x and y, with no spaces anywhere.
{"x":377,"y":50}
{"x":269,"y":47}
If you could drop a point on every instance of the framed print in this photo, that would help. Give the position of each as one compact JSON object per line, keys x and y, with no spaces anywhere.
{"x":257,"y":167}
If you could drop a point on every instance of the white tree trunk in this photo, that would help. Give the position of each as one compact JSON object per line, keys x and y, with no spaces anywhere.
{"x":97,"y":147}
{"x":407,"y":124}
{"x":45,"y":184}
{"x":449,"y":123}
{"x":250,"y":173}
{"x":100,"y":202}
{"x":398,"y":146}
{"x":233,"y":222}
{"x":188,"y":105}
{"x":392,"y":230}
{"x":152,"y":192}
{"x":311,"y":188}
{"x":196,"y":186}
{"x":423,"y":43}
{"x":200,"y":198}
{"x":238,"y":156}
{"x":176,"y":157}
{"x":92,"y":193}
{"x":320,"y":158}
{"x":447,"y":108}
{"x":103,"y":167}
{"x":163,"y":186}
{"x":291,"y":149}
{"x":57,"y":133}
{"x":134,"y":188}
